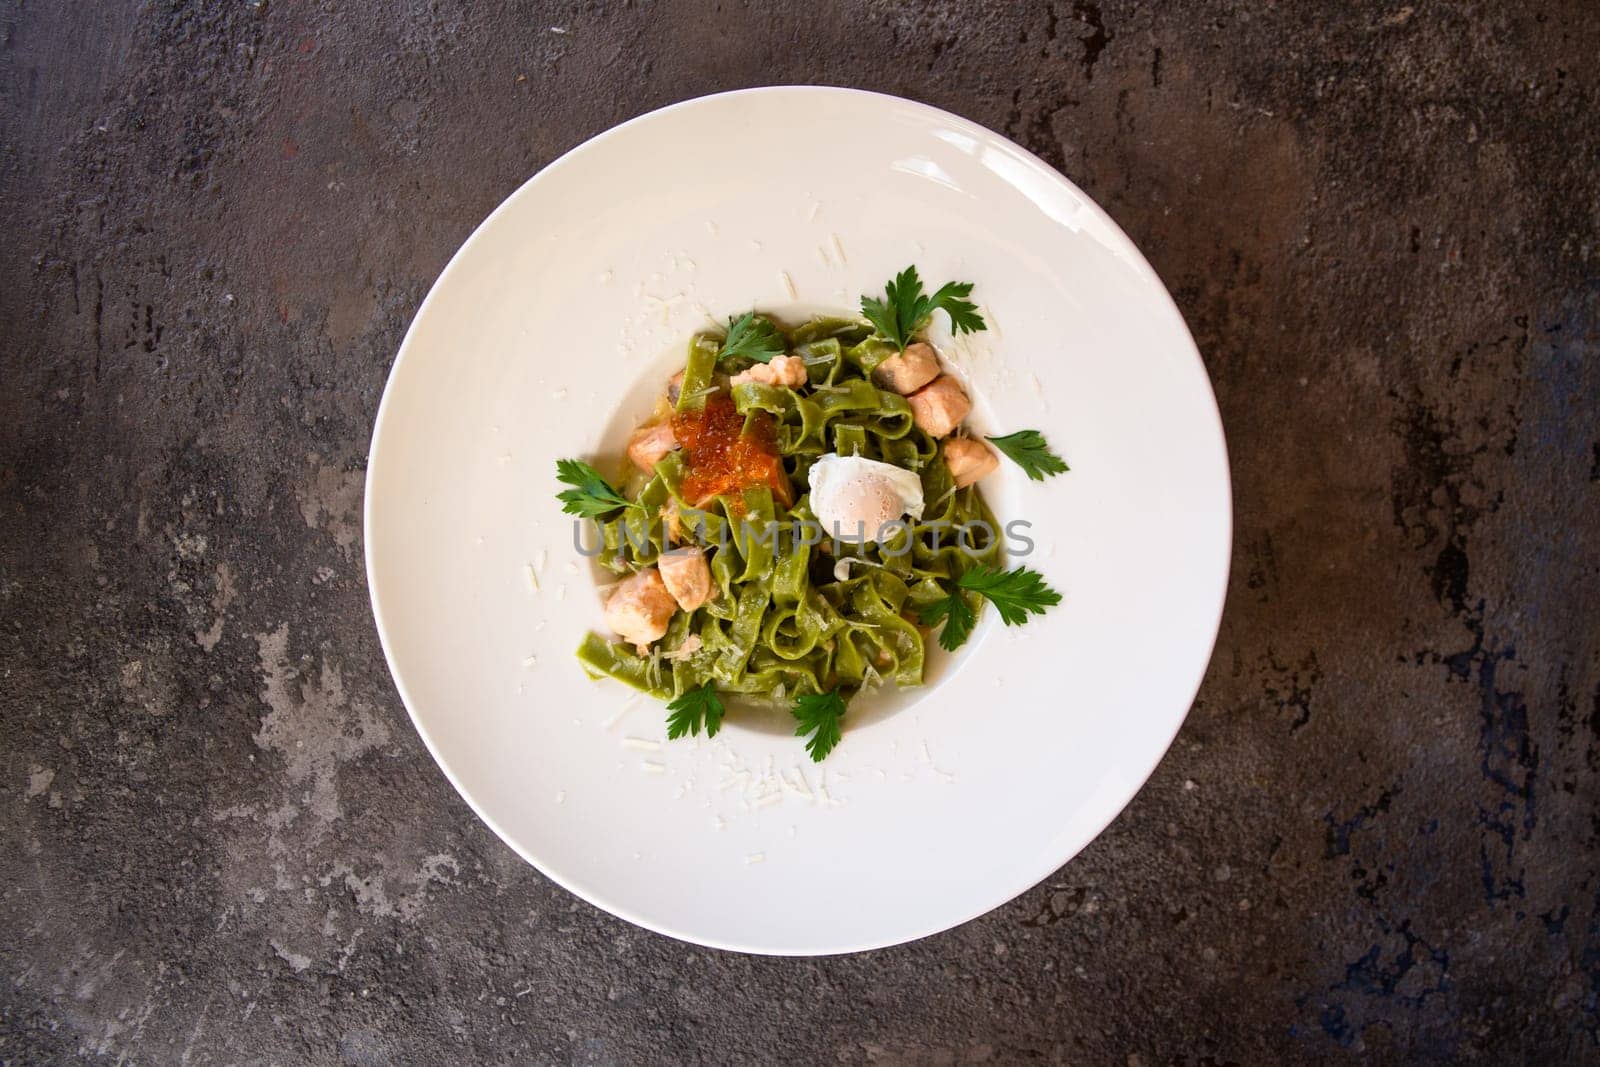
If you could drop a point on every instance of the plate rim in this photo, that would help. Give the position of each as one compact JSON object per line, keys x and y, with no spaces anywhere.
{"x":598,"y":899}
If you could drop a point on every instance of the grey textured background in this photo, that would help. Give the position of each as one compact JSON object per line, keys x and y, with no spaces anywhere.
{"x":1376,"y":837}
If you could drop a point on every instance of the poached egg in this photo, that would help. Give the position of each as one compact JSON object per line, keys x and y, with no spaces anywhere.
{"x":853,"y":497}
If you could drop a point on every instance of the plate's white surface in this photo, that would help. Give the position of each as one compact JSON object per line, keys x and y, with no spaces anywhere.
{"x":547,"y":335}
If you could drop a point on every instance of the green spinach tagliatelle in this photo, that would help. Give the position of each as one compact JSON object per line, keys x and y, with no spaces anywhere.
{"x":782,"y":625}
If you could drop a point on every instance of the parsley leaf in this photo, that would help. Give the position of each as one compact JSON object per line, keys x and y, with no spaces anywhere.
{"x":958,"y":618}
{"x":906,"y":309}
{"x":964,"y":317}
{"x":1015,"y":594}
{"x":592,"y":496}
{"x":891,"y":317}
{"x":819,"y":715}
{"x":1029,"y":450}
{"x":752,"y":338}
{"x":692,"y":708}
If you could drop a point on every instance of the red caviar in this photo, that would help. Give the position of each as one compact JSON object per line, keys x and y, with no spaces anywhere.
{"x":722,"y":457}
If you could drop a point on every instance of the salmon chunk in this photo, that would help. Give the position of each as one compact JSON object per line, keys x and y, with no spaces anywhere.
{"x":649,"y":444}
{"x":909,"y":371}
{"x":639,"y":608}
{"x":968,"y":460}
{"x":686,"y":576}
{"x":938,"y":407}
{"x":783,"y":370}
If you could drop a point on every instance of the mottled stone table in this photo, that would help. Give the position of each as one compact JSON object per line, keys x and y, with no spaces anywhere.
{"x":1377,"y":835}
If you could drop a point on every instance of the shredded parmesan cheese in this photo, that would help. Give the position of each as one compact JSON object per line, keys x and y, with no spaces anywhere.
{"x":690,"y":646}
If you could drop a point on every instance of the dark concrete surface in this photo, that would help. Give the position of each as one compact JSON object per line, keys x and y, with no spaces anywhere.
{"x":1378,"y":836}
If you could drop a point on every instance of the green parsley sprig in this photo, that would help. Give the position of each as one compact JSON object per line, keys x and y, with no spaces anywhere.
{"x":819,"y":715}
{"x":753,"y":338}
{"x":693,"y":708}
{"x":1029,"y":450}
{"x":591,"y":496}
{"x":1016,"y":594}
{"x":957,"y":615}
{"x":905,"y":309}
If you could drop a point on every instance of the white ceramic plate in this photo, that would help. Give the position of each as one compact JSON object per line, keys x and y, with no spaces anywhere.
{"x":547,"y":336}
